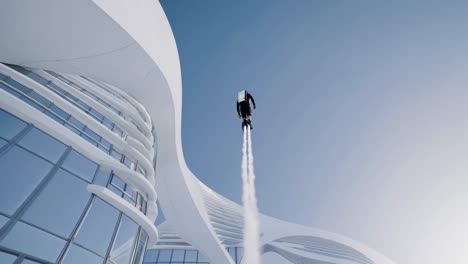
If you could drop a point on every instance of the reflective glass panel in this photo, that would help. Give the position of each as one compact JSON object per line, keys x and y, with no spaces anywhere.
{"x":80,"y":165}
{"x":76,"y":123}
{"x":78,"y":255}
{"x":151,"y":255}
{"x":90,"y":133}
{"x":18,"y":85}
{"x":54,"y":117}
{"x":124,"y":241}
{"x":33,"y":103}
{"x":3,"y":220}
{"x":73,"y":129}
{"x":59,"y":111}
{"x":27,"y":261}
{"x":98,"y":227}
{"x":101,"y":178}
{"x":33,"y":241}
{"x":177,"y":255}
{"x":165,"y":255}
{"x":66,"y":196}
{"x":118,"y":182}
{"x":10,"y":90}
{"x":11,"y":125}
{"x":6,"y":258}
{"x":43,"y":144}
{"x":39,"y":99}
{"x":191,"y":255}
{"x":2,"y":143}
{"x":140,"y":249}
{"x":18,"y":180}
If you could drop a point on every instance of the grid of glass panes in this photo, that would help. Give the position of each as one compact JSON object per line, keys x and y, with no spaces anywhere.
{"x":122,"y":189}
{"x":326,"y":247}
{"x":236,"y":253}
{"x":166,"y":256}
{"x":114,"y":93}
{"x":45,"y":106}
{"x":46,"y":214}
{"x":72,"y":99}
{"x":107,"y":89}
{"x":85,"y":91}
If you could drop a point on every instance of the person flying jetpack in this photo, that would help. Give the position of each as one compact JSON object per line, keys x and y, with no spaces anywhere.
{"x":243,"y":108}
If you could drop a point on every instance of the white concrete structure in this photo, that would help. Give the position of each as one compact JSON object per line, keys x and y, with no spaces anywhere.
{"x":129,"y":45}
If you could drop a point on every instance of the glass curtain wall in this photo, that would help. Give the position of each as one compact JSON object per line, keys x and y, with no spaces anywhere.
{"x":46,"y":213}
{"x":182,"y":256}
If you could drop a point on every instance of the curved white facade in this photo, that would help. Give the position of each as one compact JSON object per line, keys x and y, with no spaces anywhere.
{"x":130,"y":46}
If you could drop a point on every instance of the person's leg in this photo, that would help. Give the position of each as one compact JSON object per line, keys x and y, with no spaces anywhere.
{"x":249,"y":116}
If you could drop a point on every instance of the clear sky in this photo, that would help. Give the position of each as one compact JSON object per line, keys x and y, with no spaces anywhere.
{"x":361,"y":126}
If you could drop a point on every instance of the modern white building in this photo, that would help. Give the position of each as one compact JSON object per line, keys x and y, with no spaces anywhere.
{"x":90,"y":141}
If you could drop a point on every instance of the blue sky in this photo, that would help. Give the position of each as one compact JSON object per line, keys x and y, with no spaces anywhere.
{"x":361,"y":124}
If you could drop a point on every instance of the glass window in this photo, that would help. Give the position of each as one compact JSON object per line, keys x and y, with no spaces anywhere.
{"x":54,"y":117}
{"x":177,"y":255}
{"x":18,"y":68}
{"x":6,"y":258}
{"x":39,"y":98}
{"x":124,"y":241}
{"x":115,"y":190}
{"x":11,"y":125}
{"x":118,"y":130}
{"x":18,"y":85}
{"x":66,"y":197}
{"x":105,"y":144}
{"x":151,"y":256}
{"x":92,"y":134}
{"x":18,"y":180}
{"x":165,"y":255}
{"x":140,"y":248}
{"x":116,"y":154}
{"x":79,"y":255}
{"x":73,"y":129}
{"x":3,"y":76}
{"x":27,"y":261}
{"x":37,"y":78}
{"x":33,"y":241}
{"x":76,"y":123}
{"x":128,"y":162}
{"x":9,"y":90}
{"x":131,"y":192}
{"x":89,"y":139}
{"x":107,"y":123}
{"x":43,"y":144}
{"x":80,"y":103}
{"x":33,"y":103}
{"x":98,"y":227}
{"x":3,"y":220}
{"x":98,"y":115}
{"x":2,"y":142}
{"x":232,"y":252}
{"x":240,"y":253}
{"x":101,"y":178}
{"x":118,"y":182}
{"x":80,"y":165}
{"x":191,"y":255}
{"x":59,"y":112}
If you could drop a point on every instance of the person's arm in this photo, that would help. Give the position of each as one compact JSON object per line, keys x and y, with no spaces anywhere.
{"x":237,"y":107}
{"x":253,"y":101}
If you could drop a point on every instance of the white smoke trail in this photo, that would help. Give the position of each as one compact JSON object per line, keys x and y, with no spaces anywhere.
{"x":251,"y":224}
